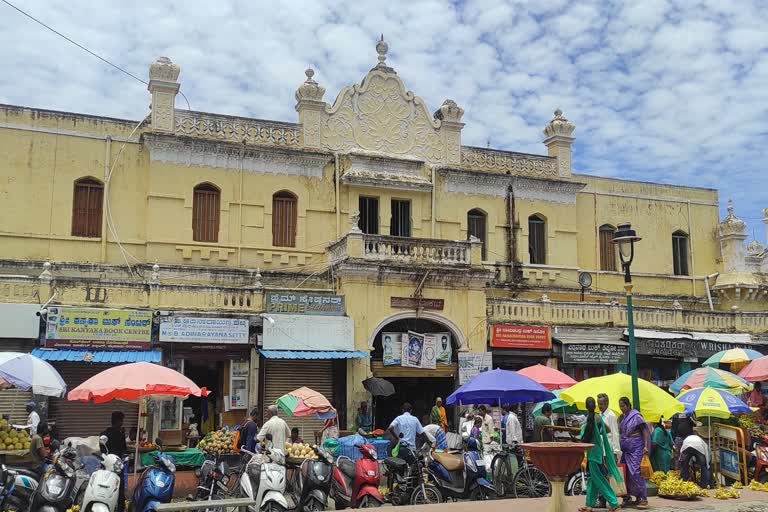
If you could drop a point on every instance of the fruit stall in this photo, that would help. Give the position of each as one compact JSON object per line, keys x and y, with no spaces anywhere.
{"x":12,"y":442}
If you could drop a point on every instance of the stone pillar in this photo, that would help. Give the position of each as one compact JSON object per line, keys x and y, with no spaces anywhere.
{"x":450,"y":114}
{"x":732,"y":238}
{"x":310,"y":106}
{"x":558,"y":141}
{"x":163,"y":86}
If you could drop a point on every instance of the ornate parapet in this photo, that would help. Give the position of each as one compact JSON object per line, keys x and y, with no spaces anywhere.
{"x":506,"y":162}
{"x":237,"y":129}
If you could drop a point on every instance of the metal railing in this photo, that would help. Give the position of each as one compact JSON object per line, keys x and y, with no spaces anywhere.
{"x":238,"y":504}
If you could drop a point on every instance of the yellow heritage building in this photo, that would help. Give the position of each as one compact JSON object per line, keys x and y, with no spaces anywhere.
{"x":372,"y":198}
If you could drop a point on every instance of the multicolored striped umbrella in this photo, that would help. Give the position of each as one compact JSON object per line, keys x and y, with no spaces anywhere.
{"x":306,"y":402}
{"x":712,"y":402}
{"x":558,"y":405}
{"x":710,"y":377}
{"x":733,"y":355}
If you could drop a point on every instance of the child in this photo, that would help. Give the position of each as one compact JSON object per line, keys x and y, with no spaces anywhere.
{"x":295,"y":436}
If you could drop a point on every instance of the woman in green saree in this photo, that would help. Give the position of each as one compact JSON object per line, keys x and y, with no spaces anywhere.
{"x":600,"y":461}
{"x":661,"y":448}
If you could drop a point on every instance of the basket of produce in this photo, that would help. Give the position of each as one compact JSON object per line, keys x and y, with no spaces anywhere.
{"x":675,"y":489}
{"x":297,"y":452}
{"x":13,"y":442}
{"x":218,"y":443}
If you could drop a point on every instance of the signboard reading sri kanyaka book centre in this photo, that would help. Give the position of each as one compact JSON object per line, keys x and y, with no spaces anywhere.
{"x":520,"y":336}
{"x":92,"y":328}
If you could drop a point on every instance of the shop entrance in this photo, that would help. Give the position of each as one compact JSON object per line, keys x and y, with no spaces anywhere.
{"x":419,"y":392}
{"x":205,"y":411}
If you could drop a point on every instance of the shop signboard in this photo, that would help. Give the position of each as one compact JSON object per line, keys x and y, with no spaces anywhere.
{"x":416,"y":303}
{"x":472,"y":363}
{"x":392,"y":347}
{"x":309,"y":332}
{"x":295,"y":303}
{"x":677,"y":349}
{"x":218,"y":331}
{"x":594,"y":354}
{"x":93,"y":329}
{"x":19,"y":321}
{"x":520,"y":336}
{"x":729,"y":464}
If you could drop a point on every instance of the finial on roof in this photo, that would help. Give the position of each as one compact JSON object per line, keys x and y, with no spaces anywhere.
{"x":310,"y":90}
{"x":730,"y":207}
{"x":731,"y":225}
{"x":559,"y":126}
{"x":382,"y":48}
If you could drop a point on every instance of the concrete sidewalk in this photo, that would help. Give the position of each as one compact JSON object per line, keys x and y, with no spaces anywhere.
{"x":750,"y":501}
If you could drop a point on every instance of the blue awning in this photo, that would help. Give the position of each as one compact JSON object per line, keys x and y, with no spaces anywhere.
{"x":99,"y":356}
{"x":315,"y":354}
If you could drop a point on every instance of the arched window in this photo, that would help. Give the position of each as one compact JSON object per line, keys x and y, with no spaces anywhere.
{"x":205,"y":213}
{"x":284,"y":214}
{"x":537,"y":240}
{"x":477,"y":226}
{"x":87,"y":207}
{"x":680,"y":253}
{"x":607,"y":248}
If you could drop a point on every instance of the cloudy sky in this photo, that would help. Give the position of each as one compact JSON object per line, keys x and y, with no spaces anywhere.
{"x":673,"y":92}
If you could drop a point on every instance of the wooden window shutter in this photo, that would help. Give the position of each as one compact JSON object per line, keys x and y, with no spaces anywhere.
{"x":607,"y":248}
{"x":537,"y":239}
{"x":284,"y":215}
{"x":205,"y":213}
{"x":87,"y":201}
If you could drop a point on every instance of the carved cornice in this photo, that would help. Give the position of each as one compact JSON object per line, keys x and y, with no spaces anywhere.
{"x":237,"y":129}
{"x":230,"y":156}
{"x":377,"y":171}
{"x":468,"y":182}
{"x":506,"y":162}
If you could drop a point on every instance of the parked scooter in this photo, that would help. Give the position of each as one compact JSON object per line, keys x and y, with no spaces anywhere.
{"x":212,"y":481}
{"x":263,"y":480}
{"x":312,"y":483}
{"x":103,"y":489}
{"x":461,"y":477}
{"x":16,"y":487}
{"x":62,"y":484}
{"x":155,"y":485}
{"x":356,"y":484}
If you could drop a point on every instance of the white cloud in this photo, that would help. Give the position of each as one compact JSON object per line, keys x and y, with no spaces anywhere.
{"x":659,"y":91}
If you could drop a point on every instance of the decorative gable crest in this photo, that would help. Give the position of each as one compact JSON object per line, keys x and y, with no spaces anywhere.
{"x":378,"y":115}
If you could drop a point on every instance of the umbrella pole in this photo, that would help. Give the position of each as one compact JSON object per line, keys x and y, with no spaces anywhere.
{"x":136,"y":454}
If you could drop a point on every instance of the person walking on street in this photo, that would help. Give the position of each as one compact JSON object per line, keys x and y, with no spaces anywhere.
{"x":512,"y":432}
{"x":276,"y":427}
{"x":635,"y":443}
{"x":600,"y":461}
{"x":249,"y":430}
{"x":611,"y":423}
{"x":438,"y":416}
{"x":116,"y":445}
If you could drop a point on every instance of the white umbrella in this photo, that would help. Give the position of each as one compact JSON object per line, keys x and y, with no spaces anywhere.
{"x":27,"y":372}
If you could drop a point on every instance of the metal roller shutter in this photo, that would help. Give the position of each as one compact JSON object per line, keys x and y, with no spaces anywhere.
{"x":82,"y":418}
{"x":283,"y":376}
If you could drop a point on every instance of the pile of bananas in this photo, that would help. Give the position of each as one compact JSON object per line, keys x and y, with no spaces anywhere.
{"x":672,"y":486}
{"x":754,"y":485}
{"x":724,"y":493}
{"x":658,"y":477}
{"x":737,"y":485}
{"x":747,"y":421}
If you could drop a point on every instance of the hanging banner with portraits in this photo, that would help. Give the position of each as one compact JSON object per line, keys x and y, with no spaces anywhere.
{"x":416,"y":350}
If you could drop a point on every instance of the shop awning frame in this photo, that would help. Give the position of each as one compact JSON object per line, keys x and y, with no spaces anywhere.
{"x":99,"y":356}
{"x":315,"y":354}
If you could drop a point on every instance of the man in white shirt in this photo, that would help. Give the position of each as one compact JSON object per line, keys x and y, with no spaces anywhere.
{"x":276,"y":427}
{"x":33,"y":420}
{"x":611,"y":424}
{"x":512,"y":429}
{"x":694,"y":447}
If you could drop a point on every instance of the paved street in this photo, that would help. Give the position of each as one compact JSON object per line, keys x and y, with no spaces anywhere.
{"x":750,"y":501}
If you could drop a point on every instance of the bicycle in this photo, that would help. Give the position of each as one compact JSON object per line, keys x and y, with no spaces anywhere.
{"x":527,"y":481}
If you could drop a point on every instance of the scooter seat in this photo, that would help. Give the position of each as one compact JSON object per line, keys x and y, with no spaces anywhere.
{"x":395,"y":464}
{"x":449,"y":461}
{"x":347,"y":467}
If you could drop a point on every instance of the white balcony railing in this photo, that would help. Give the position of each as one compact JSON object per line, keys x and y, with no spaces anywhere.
{"x":406,"y":251}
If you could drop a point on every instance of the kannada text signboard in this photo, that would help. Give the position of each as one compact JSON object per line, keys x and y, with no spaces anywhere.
{"x":304,"y":303}
{"x":594,"y":354}
{"x":186,"y":329}
{"x":92,"y":329}
{"x":520,"y":336}
{"x":416,"y":303}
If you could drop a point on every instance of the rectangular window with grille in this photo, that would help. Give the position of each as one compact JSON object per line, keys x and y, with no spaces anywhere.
{"x":680,"y":254}
{"x":537,"y":238}
{"x":401,"y":218}
{"x":284,"y":214}
{"x":476,"y":227}
{"x":205,"y":215}
{"x":607,"y":250}
{"x":369,"y":215}
{"x":86,"y":208}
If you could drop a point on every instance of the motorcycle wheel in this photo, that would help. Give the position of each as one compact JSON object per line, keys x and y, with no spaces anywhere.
{"x":479,"y":494}
{"x":530,"y":482}
{"x":575,"y":486}
{"x":315,"y":506}
{"x":368,"y":502}
{"x":426,"y":494}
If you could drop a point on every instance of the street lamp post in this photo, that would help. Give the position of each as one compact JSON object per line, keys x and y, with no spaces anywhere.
{"x":625,"y":237}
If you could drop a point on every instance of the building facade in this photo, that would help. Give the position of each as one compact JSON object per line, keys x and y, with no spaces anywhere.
{"x":363,"y":240}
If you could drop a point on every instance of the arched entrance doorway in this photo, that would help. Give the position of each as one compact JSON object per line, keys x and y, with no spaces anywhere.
{"x":418,"y":386}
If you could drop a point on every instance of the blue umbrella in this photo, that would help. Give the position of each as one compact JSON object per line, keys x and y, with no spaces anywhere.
{"x":502,"y":386}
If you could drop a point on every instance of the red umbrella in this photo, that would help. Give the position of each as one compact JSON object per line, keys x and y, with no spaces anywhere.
{"x":132,"y":382}
{"x":548,"y":377}
{"x":756,"y":371}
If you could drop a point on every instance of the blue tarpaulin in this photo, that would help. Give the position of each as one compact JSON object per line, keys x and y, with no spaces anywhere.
{"x":99,"y":356}
{"x":315,"y":354}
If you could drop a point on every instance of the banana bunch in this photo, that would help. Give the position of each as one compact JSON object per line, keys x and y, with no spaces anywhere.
{"x":658,"y":477}
{"x":724,"y":493}
{"x":757,"y":486}
{"x":737,"y":485}
{"x":675,"y":487}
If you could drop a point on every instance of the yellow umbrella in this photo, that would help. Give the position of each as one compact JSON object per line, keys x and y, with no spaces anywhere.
{"x":654,"y":401}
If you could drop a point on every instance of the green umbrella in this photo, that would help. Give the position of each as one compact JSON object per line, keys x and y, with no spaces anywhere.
{"x":558,"y":405}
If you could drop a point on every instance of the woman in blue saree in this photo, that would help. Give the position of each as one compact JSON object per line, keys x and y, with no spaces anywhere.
{"x":635,"y":442}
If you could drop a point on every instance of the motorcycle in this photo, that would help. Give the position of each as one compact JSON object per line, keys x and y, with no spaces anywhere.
{"x":313,"y":482}
{"x":155,"y":485}
{"x":356,"y":484}
{"x":16,"y":487}
{"x":263,"y":480}
{"x":103,"y":489}
{"x":213,"y":481}
{"x":407,"y":479}
{"x":62,"y":484}
{"x":462,"y":477}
